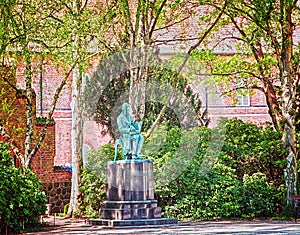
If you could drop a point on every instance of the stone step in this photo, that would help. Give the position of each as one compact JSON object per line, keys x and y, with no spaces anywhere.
{"x":129,"y":214}
{"x":130,"y":204}
{"x":136,"y":222}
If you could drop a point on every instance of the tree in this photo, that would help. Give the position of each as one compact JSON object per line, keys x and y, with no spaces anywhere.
{"x":87,"y":23}
{"x":30,"y":35}
{"x":137,"y":26}
{"x":269,"y":62}
{"x":58,"y":33}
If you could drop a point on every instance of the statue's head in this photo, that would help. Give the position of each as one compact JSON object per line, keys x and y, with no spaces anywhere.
{"x":125,"y":108}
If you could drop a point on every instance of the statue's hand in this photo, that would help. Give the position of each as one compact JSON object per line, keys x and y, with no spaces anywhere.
{"x":133,"y":130}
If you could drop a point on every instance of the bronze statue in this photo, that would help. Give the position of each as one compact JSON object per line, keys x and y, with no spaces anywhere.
{"x":131,"y":139}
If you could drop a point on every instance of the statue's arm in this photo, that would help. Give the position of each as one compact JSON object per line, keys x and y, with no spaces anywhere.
{"x":139,"y":126}
{"x":136,"y":127}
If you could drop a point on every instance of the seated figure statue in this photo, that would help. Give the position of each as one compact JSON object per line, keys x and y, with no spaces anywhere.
{"x":131,"y":139}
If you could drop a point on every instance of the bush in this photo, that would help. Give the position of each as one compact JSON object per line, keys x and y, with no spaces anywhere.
{"x":93,"y":181}
{"x":255,"y":149}
{"x":211,"y":196}
{"x":244,"y":181}
{"x":258,"y":197}
{"x":92,"y":190}
{"x":21,"y":199}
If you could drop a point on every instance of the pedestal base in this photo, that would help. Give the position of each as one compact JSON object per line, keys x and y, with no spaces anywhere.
{"x":137,"y":222}
{"x":130,"y":196}
{"x":122,"y":210}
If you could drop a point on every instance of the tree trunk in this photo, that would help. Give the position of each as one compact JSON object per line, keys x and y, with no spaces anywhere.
{"x":29,"y":115}
{"x":77,"y":122}
{"x":290,"y":173}
{"x":288,"y":100}
{"x":77,"y":140}
{"x":9,"y":140}
{"x":139,"y":63}
{"x":289,"y":139}
{"x":273,"y":107}
{"x":137,"y":93}
{"x":139,"y":60}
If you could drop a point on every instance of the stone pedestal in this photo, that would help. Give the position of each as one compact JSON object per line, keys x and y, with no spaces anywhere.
{"x":130,"y":196}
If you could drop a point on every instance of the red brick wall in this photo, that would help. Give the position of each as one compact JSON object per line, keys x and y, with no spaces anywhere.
{"x":256,"y":112}
{"x":43,"y":162}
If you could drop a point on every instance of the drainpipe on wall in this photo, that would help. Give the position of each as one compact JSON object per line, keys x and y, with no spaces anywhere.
{"x":41,"y":89}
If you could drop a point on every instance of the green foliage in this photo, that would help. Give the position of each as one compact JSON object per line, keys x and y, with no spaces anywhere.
{"x":93,"y":181}
{"x":258,"y":197}
{"x":92,"y":190}
{"x":6,"y":109}
{"x":21,"y":199}
{"x":66,"y":207}
{"x":245,"y":181}
{"x":159,"y":82}
{"x":43,"y":120}
{"x":197,"y":196}
{"x":96,"y":160}
{"x":254,"y":149}
{"x":162,"y":144}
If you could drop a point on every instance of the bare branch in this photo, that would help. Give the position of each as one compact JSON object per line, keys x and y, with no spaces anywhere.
{"x":127,"y":15}
{"x":229,"y":74}
{"x":10,"y":84}
{"x":231,"y":37}
{"x":84,"y":5}
{"x":161,"y":42}
{"x":41,"y":42}
{"x":10,"y":141}
{"x":254,"y":87}
{"x":153,"y":23}
{"x":172,"y":24}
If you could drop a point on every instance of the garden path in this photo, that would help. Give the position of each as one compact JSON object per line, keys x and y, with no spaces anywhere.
{"x":60,"y":225}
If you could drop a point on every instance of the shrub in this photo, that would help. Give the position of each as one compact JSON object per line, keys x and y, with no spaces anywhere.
{"x":210,"y":196}
{"x":244,"y":181}
{"x":255,"y":149}
{"x":92,"y":190}
{"x":21,"y":199}
{"x":258,"y":197}
{"x":93,"y":180}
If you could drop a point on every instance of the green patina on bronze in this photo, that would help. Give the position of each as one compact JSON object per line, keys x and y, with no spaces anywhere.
{"x":131,"y":139}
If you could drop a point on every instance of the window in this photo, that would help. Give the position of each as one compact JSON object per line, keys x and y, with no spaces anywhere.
{"x":243,"y":97}
{"x":243,"y":100}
